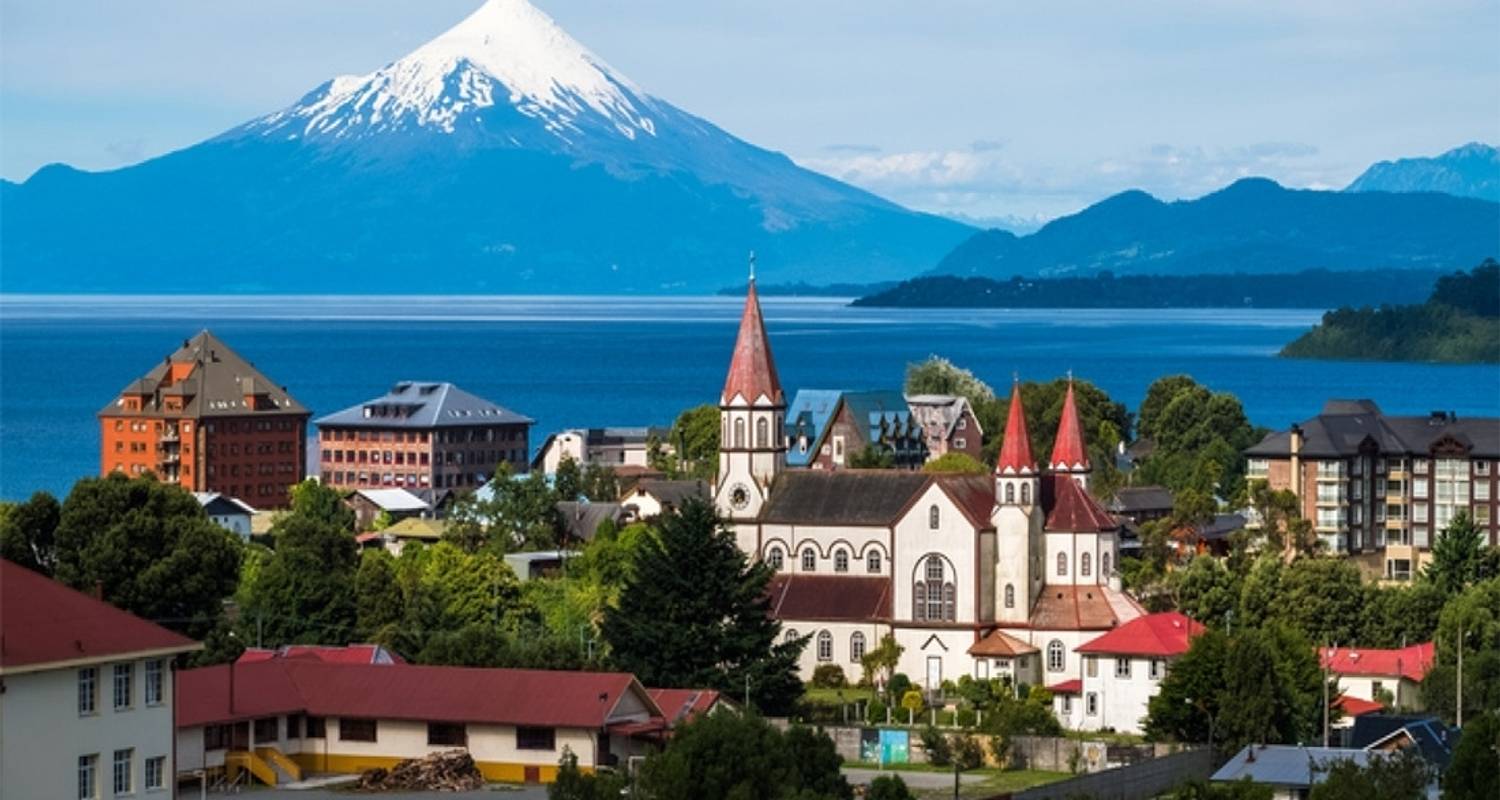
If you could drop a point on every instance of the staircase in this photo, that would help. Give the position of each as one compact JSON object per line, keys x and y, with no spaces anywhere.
{"x":285,"y":768}
{"x":237,"y":762}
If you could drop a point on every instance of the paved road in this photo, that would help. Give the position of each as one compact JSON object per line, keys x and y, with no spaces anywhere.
{"x":914,"y":779}
{"x":507,"y":793}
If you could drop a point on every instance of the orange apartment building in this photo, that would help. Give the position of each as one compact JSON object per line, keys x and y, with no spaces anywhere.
{"x":427,"y":438}
{"x":1382,"y":487}
{"x":206,"y":419}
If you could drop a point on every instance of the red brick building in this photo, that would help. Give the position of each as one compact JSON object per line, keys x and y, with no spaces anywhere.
{"x":427,"y":438}
{"x":208,"y":420}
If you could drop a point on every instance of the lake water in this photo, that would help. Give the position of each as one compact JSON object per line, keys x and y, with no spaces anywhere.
{"x":594,"y":361}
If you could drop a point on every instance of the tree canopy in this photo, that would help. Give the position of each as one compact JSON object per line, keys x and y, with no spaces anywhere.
{"x":742,"y":757}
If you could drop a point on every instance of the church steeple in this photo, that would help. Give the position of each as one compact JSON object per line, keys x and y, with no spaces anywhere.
{"x":1068,"y":452}
{"x":1015,"y":453}
{"x":752,"y":407}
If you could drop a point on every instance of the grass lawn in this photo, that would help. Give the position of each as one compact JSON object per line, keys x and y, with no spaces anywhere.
{"x":995,"y":781}
{"x":851,"y":694}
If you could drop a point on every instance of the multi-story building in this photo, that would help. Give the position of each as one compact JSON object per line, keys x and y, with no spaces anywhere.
{"x":1382,"y":487}
{"x":208,"y":420}
{"x":829,"y":429}
{"x":1122,"y":671}
{"x":949,"y":424}
{"x":427,"y":438}
{"x":86,"y":709}
{"x":615,"y":448}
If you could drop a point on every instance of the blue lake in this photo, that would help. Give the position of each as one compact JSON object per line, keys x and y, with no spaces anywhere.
{"x":591,"y":361}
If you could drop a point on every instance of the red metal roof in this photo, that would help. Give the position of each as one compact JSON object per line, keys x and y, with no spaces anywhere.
{"x":44,"y":622}
{"x":1071,"y":508}
{"x":1357,"y":707}
{"x":752,"y":371}
{"x":1410,"y":662}
{"x":830,"y":597}
{"x":1068,"y":451}
{"x":1074,"y":686}
{"x":1015,"y":453}
{"x":349,"y":654}
{"x":683,"y":704}
{"x":403,"y":691}
{"x":1164,"y":634}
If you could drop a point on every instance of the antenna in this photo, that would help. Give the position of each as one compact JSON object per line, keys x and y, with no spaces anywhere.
{"x":752,"y":266}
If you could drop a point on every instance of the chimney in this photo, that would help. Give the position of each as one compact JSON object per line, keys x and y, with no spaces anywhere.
{"x":1296,"y":445}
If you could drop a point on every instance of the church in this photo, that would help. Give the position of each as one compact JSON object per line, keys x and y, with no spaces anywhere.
{"x":989,"y":576}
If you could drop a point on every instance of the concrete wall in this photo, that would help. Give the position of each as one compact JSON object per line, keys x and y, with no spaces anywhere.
{"x":1135,"y":782}
{"x":42,"y":734}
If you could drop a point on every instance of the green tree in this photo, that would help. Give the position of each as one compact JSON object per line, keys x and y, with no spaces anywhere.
{"x":305,"y":593}
{"x":1206,"y":590}
{"x":379,"y":600}
{"x":1402,"y":775}
{"x":708,"y":626}
{"x":572,"y":783}
{"x":956,"y":463}
{"x":815,"y":763}
{"x":1198,"y":435}
{"x":879,"y":662}
{"x":1322,"y":597}
{"x":382,"y":521}
{"x":1472,"y":618}
{"x":1457,"y":554}
{"x":27,"y":530}
{"x":1399,"y":615}
{"x":741,"y":757}
{"x":695,"y":434}
{"x":889,"y":787}
{"x":568,"y":480}
{"x":151,"y":549}
{"x":872,"y":457}
{"x":599,"y":484}
{"x":311,"y":499}
{"x":1238,"y":790}
{"x":1159,"y":394}
{"x":1186,"y":707}
{"x":1474,"y":771}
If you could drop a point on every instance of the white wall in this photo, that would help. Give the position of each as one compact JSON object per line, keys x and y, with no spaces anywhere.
{"x":842,"y":634}
{"x":955,"y":540}
{"x":42,"y":734}
{"x":857,"y":542}
{"x":1120,"y":703}
{"x":1405,"y":693}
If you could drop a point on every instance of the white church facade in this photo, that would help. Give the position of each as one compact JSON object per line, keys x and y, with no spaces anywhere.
{"x":988,"y":576}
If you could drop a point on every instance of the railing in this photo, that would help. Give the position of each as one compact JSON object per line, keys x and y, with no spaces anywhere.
{"x":280,"y":760}
{"x":245,"y":761}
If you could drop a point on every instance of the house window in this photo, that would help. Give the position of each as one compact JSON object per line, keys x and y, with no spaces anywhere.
{"x":963,"y":424}
{"x":294,"y":726}
{"x":124,"y":681}
{"x":154,"y":682}
{"x":1010,"y":493}
{"x":933,"y":597}
{"x":856,"y":647}
{"x":528,"y":738}
{"x":1104,"y":565}
{"x":809,"y":560}
{"x":88,"y":777}
{"x":934,"y":517}
{"x":960,"y":444}
{"x":156,"y":769}
{"x":317,"y":728}
{"x":872,"y":562}
{"x":791,"y":635}
{"x":124,"y":780}
{"x":1122,"y":668}
{"x":447,"y":734}
{"x":840,"y":560}
{"x":1025,"y":494}
{"x":1010,"y":596}
{"x":762,"y":433}
{"x":88,"y":690}
{"x":1086,"y":565}
{"x":825,"y":646}
{"x":776,"y":559}
{"x":267,"y":729}
{"x":739,"y":434}
{"x":1062,"y":565}
{"x":1055,"y":656}
{"x":1091,"y":666}
{"x":356,"y":729}
{"x":1091,"y":704}
{"x":919,"y":601}
{"x":1157,"y":668}
{"x":1067,"y":704}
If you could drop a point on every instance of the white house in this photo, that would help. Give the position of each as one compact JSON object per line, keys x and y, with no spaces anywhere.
{"x":1122,"y":671}
{"x":229,"y":513}
{"x":651,"y":496}
{"x":86,"y":708}
{"x":1380,"y":676}
{"x":607,"y":447}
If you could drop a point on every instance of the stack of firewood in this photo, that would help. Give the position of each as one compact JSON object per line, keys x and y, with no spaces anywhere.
{"x":452,"y":771}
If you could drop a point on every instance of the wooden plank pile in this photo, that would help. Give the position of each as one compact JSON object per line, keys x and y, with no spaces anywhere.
{"x":450,"y":771}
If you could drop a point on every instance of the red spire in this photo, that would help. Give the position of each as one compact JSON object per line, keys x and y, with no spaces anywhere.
{"x":1068,"y":451}
{"x":1015,"y":453}
{"x":752,"y":372}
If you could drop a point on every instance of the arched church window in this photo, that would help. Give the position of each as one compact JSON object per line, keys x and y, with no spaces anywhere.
{"x":872,"y":562}
{"x":825,"y":646}
{"x":841,"y":560}
{"x":762,"y":433}
{"x":856,"y":647}
{"x":1086,"y":565}
{"x":934,"y":517}
{"x":1025,"y":494}
{"x":919,"y":601}
{"x":1010,"y":493}
{"x":739,"y":434}
{"x":1062,"y":565}
{"x":1055,"y":656}
{"x":809,"y":560}
{"x":776,"y":558}
{"x":791,"y":635}
{"x":950,"y":602}
{"x":1010,"y":596}
{"x":1104,"y":566}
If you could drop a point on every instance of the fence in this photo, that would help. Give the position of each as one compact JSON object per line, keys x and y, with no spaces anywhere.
{"x":1140,"y":781}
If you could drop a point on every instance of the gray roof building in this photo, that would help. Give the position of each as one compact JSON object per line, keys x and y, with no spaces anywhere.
{"x":423,"y":405}
{"x":1346,"y":426}
{"x":205,"y":378}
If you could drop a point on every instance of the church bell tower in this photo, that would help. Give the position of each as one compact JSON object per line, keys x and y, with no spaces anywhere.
{"x":752,"y":408}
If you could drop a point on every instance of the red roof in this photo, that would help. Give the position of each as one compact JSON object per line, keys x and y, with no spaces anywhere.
{"x":1163,"y":634}
{"x":350,"y":654}
{"x":1357,"y":707}
{"x":998,"y":643}
{"x":1068,"y":451}
{"x":752,"y":371}
{"x":403,"y":691}
{"x":1071,"y":508}
{"x":846,"y":598}
{"x":1015,"y":453}
{"x":683,"y":704}
{"x":1410,"y":662}
{"x":44,"y":622}
{"x":1084,"y":607}
{"x":1074,"y":686}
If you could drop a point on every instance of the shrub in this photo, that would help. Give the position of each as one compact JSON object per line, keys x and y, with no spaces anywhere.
{"x":829,"y":676}
{"x":889,"y":787}
{"x":913,"y":701}
{"x":967,"y":752}
{"x":939,"y":751}
{"x":965,"y":718}
{"x":899,"y":685}
{"x":875,"y":713}
{"x":1000,"y":746}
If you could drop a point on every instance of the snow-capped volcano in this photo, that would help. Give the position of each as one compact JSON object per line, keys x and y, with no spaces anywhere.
{"x":507,"y":53}
{"x":502,"y":156}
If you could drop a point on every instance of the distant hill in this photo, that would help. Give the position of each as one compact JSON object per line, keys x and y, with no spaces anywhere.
{"x":1307,"y":289}
{"x":1469,"y":171}
{"x":1252,"y":226}
{"x":1459,"y":323}
{"x":501,"y":156}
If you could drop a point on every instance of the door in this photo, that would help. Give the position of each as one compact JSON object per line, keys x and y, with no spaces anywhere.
{"x":934,"y":673}
{"x":532,"y":774}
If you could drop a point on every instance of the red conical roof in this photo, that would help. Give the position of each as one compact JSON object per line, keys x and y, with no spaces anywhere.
{"x":1068,"y":451}
{"x":752,"y":371}
{"x":1015,"y":453}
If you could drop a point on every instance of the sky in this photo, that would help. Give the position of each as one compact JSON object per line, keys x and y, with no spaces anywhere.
{"x":987,"y":110}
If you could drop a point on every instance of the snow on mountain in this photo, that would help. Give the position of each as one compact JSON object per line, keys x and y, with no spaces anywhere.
{"x":507,"y":52}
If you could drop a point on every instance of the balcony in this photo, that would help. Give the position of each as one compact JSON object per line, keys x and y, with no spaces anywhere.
{"x":169,"y":434}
